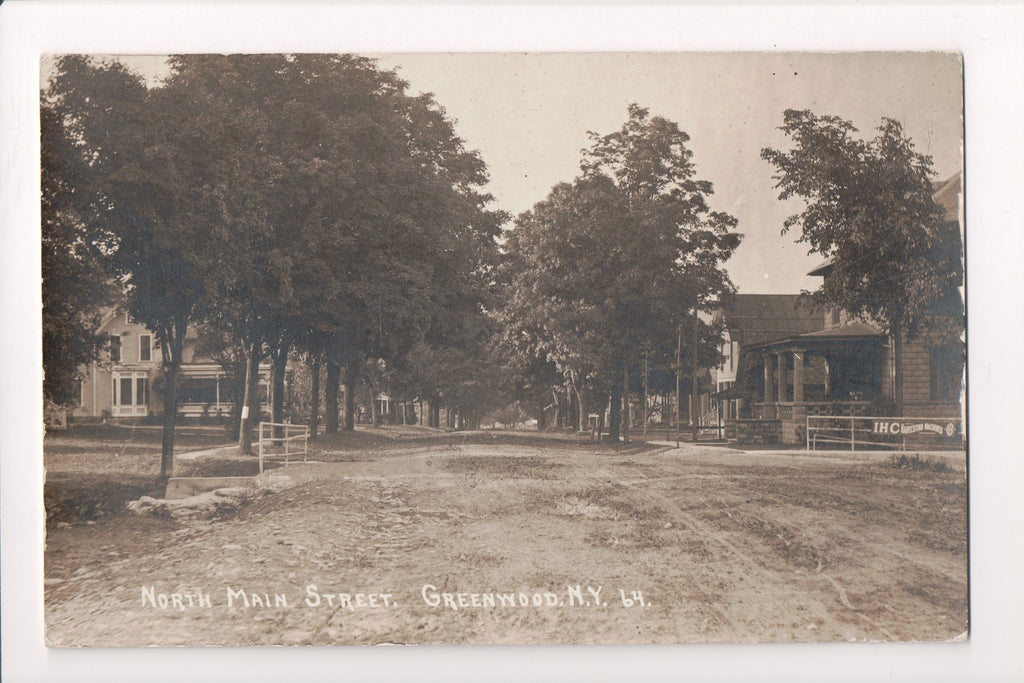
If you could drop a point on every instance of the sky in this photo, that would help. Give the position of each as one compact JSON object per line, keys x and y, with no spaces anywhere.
{"x":529,"y":114}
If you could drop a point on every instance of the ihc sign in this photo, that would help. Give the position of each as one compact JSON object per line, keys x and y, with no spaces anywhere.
{"x":904,"y":428}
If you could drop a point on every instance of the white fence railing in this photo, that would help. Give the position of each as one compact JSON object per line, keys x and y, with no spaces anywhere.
{"x":289,"y":433}
{"x":882,"y":432}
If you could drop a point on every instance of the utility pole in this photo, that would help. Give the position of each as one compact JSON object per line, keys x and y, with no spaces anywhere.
{"x":694,"y":390}
{"x":679,"y":362}
{"x":643,"y":407}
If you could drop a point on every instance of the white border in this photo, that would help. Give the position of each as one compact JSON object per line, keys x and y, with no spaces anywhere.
{"x":990,"y":36}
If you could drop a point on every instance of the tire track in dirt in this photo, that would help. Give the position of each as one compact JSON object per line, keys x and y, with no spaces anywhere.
{"x":389,"y":519}
{"x":755,"y":571}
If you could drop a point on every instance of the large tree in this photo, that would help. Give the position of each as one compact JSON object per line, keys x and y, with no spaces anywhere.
{"x":869,"y":208}
{"x":152,"y":179}
{"x":77,"y":287}
{"x":610,"y":266}
{"x":285,"y":200}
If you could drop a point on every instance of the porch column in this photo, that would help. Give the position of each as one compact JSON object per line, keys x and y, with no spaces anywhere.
{"x":798,"y":376}
{"x":769,"y":380}
{"x":783,"y":376}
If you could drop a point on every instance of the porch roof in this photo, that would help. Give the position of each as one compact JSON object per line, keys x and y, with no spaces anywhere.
{"x":847,"y":334}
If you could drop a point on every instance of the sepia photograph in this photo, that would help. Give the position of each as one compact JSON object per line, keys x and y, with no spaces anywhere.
{"x":502,"y":343}
{"x":503,"y":348}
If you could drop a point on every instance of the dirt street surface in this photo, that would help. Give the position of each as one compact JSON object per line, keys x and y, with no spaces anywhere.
{"x":456,"y":540}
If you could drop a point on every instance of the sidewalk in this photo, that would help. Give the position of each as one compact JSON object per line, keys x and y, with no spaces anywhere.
{"x":952,"y":459}
{"x":192,"y":455}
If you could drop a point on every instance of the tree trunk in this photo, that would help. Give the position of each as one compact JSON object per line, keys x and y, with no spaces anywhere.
{"x":170,"y":419}
{"x":250,"y":401}
{"x":435,"y":412}
{"x":695,"y":390}
{"x":615,"y":414}
{"x":570,"y":407}
{"x":331,"y":397}
{"x":314,"y":396}
{"x":172,"y":364}
{"x":679,"y":366}
{"x":374,"y":409}
{"x":643,"y":399}
{"x":351,"y":380}
{"x":237,"y":401}
{"x":627,"y":414}
{"x":277,"y":406}
{"x":581,"y":412}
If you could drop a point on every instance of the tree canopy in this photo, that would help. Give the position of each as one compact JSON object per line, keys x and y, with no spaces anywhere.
{"x":282,"y":200}
{"x":77,"y":289}
{"x":869,"y":208}
{"x":608,"y":267}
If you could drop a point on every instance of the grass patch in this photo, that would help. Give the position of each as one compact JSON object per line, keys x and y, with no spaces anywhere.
{"x":93,"y":470}
{"x":917,"y":463}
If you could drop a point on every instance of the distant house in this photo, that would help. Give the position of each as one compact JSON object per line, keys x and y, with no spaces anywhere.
{"x":748,"y":321}
{"x":124,"y":383}
{"x":841,"y":366}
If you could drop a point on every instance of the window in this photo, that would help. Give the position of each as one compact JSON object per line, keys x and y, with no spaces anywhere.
{"x":131,"y":389}
{"x":145,"y":348}
{"x":198,"y":390}
{"x":125,"y":392}
{"x":115,"y":349}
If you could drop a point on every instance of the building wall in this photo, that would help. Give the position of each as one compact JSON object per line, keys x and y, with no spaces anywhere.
{"x":98,"y":390}
{"x":725,"y":373}
{"x":97,"y":395}
{"x":916,"y":373}
{"x":917,"y":385}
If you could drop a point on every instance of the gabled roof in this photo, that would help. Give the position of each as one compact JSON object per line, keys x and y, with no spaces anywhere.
{"x":760,"y":318}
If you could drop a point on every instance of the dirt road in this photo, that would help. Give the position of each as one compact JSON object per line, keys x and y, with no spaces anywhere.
{"x":533,"y":543}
